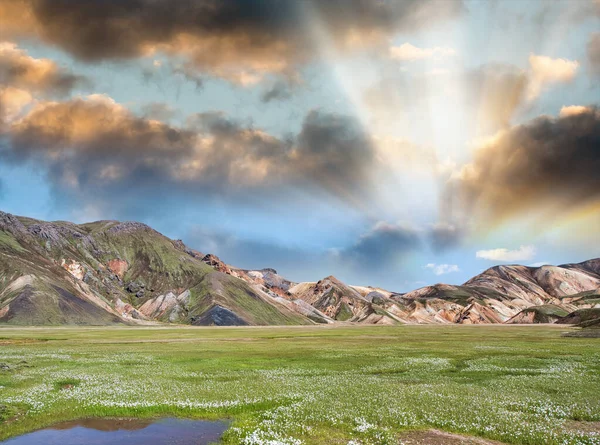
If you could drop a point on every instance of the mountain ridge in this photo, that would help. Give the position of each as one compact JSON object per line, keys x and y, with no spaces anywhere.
{"x":112,"y":272}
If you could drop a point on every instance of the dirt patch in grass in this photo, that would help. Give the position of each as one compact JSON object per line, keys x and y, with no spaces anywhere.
{"x":583,"y":426}
{"x":20,"y":341}
{"x":435,"y":437}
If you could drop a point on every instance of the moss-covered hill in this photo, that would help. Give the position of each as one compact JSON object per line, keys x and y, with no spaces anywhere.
{"x":107,"y":271}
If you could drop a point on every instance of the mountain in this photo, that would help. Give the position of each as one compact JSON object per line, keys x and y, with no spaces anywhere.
{"x":111,"y":272}
{"x":342,"y":302}
{"x":509,"y":294}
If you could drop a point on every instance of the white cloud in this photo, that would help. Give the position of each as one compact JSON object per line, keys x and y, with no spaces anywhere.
{"x":546,"y":70}
{"x":441,"y":269}
{"x":573,"y":110}
{"x":406,"y":51}
{"x":520,"y":254}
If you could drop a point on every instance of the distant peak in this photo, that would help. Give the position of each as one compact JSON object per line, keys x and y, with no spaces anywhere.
{"x":130,"y":227}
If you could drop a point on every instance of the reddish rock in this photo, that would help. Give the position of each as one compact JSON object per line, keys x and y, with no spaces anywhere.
{"x":118,"y":267}
{"x":214,"y":261}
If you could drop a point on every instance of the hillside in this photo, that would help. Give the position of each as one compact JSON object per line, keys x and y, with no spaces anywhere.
{"x":111,"y":272}
{"x":513,"y":294}
{"x":118,"y":272}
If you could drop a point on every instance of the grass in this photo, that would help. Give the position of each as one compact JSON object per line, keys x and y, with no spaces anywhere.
{"x":9,"y":241}
{"x":360,"y":385}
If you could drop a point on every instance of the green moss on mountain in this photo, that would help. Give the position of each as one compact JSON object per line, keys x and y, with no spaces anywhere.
{"x":79,"y":274}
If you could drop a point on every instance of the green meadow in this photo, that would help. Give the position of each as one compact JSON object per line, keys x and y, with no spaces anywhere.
{"x":341,"y":385}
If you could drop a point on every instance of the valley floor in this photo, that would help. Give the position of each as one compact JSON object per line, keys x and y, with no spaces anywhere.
{"x":341,"y":385}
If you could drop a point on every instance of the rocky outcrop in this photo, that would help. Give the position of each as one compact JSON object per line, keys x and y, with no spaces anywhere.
{"x":130,"y":227}
{"x":214,"y":262}
{"x":191,"y":252}
{"x":167,"y":307}
{"x":268,"y":279}
{"x":118,"y":266}
{"x":334,"y":299}
{"x":11,"y":224}
{"x":74,"y":268}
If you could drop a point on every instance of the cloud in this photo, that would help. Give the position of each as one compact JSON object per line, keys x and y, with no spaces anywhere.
{"x":158,"y":111}
{"x":279,"y":90}
{"x":442,"y":269}
{"x":445,"y":236}
{"x":190,"y":74}
{"x":523,"y":253}
{"x":24,"y":78}
{"x":382,"y":246}
{"x":376,"y":255}
{"x":573,"y":110}
{"x":546,"y":71}
{"x":334,"y":150}
{"x":12,"y":101}
{"x":240,"y":40}
{"x":19,"y":70}
{"x":547,"y":164}
{"x":96,"y":148}
{"x":293,"y":263}
{"x":593,"y":52}
{"x":94,"y":142}
{"x":408,"y":52}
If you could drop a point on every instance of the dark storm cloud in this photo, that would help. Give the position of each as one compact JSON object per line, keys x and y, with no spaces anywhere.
{"x":593,"y":53}
{"x":383,"y":245}
{"x":546,"y":162}
{"x":257,"y":35}
{"x":334,"y":150}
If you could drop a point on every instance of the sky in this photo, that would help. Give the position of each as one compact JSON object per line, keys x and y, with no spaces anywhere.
{"x":389,"y":143}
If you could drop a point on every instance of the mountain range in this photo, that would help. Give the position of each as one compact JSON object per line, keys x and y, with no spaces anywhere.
{"x":111,"y":272}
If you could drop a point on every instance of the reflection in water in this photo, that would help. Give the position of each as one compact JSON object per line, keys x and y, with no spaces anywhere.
{"x":125,"y":432}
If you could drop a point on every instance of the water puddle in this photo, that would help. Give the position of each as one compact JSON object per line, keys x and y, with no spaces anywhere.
{"x":125,"y":432}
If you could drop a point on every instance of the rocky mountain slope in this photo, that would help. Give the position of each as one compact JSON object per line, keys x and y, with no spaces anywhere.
{"x":109,"y":272}
{"x":513,"y":294}
{"x":118,"y":272}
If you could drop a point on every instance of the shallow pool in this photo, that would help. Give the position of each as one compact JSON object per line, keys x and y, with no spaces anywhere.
{"x":125,"y":432}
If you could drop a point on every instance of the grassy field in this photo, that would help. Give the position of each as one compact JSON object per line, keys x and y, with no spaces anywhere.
{"x":346,"y":385}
